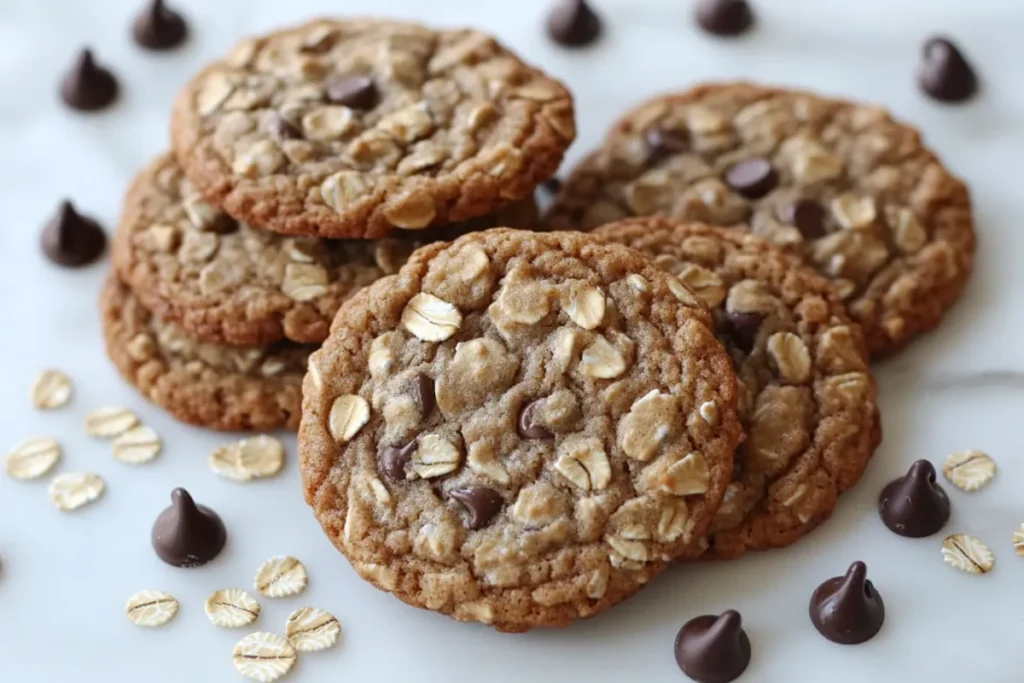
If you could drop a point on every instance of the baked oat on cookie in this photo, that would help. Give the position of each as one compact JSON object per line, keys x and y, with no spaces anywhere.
{"x":221,"y":387}
{"x":519,"y":428}
{"x":364,"y":127}
{"x":227,"y":282}
{"x":807,"y":397}
{"x":844,"y":185}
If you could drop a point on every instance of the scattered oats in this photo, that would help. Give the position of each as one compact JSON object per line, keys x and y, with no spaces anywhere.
{"x":108,"y":422}
{"x":232,"y":608}
{"x":263,"y":657}
{"x":253,"y":458}
{"x":137,"y":446}
{"x":969,"y":470}
{"x":151,"y":608}
{"x":72,"y":490}
{"x":281,"y":577}
{"x":32,"y":458}
{"x":585,"y":307}
{"x":431,"y":319}
{"x":52,"y":389}
{"x":1018,"y":540}
{"x":310,"y":629}
{"x":348,"y":415}
{"x":967,"y":554}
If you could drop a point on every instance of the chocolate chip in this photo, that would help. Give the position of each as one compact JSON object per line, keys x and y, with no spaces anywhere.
{"x":724,"y":17}
{"x":914,"y":505}
{"x":423,"y":394}
{"x":944,"y":73}
{"x":552,"y":185}
{"x":71,"y":239}
{"x":807,"y":216}
{"x":753,"y":178}
{"x":186,"y":534}
{"x":394,"y":459}
{"x":528,"y":426}
{"x":847,"y":609}
{"x":741,"y":329}
{"x":282,"y":129}
{"x":481,"y":503}
{"x":712,"y":649}
{"x":158,"y":27}
{"x":662,"y":143}
{"x":87,"y":86}
{"x":356,"y":92}
{"x":573,"y":23}
{"x":739,"y":461}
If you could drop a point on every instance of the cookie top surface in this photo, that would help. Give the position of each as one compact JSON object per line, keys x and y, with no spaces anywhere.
{"x":226,"y":282}
{"x":359,"y":128}
{"x":843,"y":185}
{"x":519,"y":428}
{"x":808,"y":401}
{"x":210,"y":385}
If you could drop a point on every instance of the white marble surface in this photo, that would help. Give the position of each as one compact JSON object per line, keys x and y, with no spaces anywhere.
{"x":65,"y":578}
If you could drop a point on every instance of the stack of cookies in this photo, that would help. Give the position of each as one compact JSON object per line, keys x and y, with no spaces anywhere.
{"x":525,"y":428}
{"x":307,"y":164}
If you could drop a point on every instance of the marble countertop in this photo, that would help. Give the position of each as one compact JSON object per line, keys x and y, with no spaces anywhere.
{"x":65,"y":578}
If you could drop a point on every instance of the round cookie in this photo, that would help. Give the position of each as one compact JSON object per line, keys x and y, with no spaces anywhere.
{"x":808,"y":401}
{"x":359,"y":128}
{"x":226,"y":282}
{"x":519,"y":428}
{"x":849,"y":189}
{"x":209,"y":385}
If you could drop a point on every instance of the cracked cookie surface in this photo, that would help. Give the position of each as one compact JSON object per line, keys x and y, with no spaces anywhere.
{"x":364,"y":127}
{"x":221,"y":387}
{"x":808,"y":401}
{"x":518,"y":428}
{"x":845,"y":186}
{"x":226,"y":282}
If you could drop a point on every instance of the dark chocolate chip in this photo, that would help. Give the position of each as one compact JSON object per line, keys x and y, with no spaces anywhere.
{"x":753,"y":178}
{"x":944,"y":73}
{"x":662,"y":143}
{"x":741,"y":329}
{"x":394,"y":459}
{"x":739,"y":461}
{"x":423,"y":394}
{"x":914,"y":505}
{"x":282,"y":129}
{"x":528,"y":426}
{"x":724,"y":17}
{"x":481,"y":503}
{"x":355,"y":92}
{"x":87,"y":86}
{"x":847,"y":609}
{"x":573,"y":23}
{"x":712,"y":649}
{"x":186,"y":534}
{"x":552,"y":185}
{"x":71,"y":239}
{"x":807,"y":216}
{"x":158,"y":27}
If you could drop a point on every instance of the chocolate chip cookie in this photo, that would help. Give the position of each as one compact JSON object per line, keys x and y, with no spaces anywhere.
{"x":226,"y":282}
{"x":519,"y":428}
{"x":807,"y":398}
{"x":852,"y":191}
{"x":209,"y":385}
{"x":359,"y":128}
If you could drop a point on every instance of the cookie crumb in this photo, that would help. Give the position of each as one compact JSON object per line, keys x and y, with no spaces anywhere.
{"x":52,"y":389}
{"x":281,"y":577}
{"x":151,"y":608}
{"x":969,"y":470}
{"x":967,"y":554}
{"x":32,"y":458}
{"x":232,"y":608}
{"x":263,"y":657}
{"x":72,"y":490}
{"x":311,"y":629}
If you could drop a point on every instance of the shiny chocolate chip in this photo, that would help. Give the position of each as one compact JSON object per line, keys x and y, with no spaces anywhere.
{"x":915,"y":505}
{"x":87,"y":86}
{"x":481,"y":503}
{"x":713,"y":649}
{"x":528,"y":425}
{"x":663,"y":143}
{"x":186,"y":534}
{"x":158,"y":27}
{"x":355,"y":92}
{"x":573,"y":23}
{"x":423,"y":394}
{"x":72,"y":240}
{"x":807,"y":216}
{"x":944,"y":73}
{"x":393,"y":460}
{"x":740,"y":329}
{"x":753,"y":178}
{"x":847,"y":609}
{"x":724,"y":17}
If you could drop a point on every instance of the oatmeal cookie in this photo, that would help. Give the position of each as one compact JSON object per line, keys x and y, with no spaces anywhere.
{"x":808,"y":401}
{"x":227,"y":282}
{"x":209,"y":385}
{"x":362,"y":127}
{"x":852,"y":191}
{"x":519,"y":428}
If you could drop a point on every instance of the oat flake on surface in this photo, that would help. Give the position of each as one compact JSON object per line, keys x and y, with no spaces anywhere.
{"x":151,"y":608}
{"x":311,"y":629}
{"x":32,"y":458}
{"x":968,"y":554}
{"x":72,"y":490}
{"x":969,"y":470}
{"x":280,"y":577}
{"x":263,"y":657}
{"x":232,"y":608}
{"x":107,"y":422}
{"x":251,"y":458}
{"x":52,"y":389}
